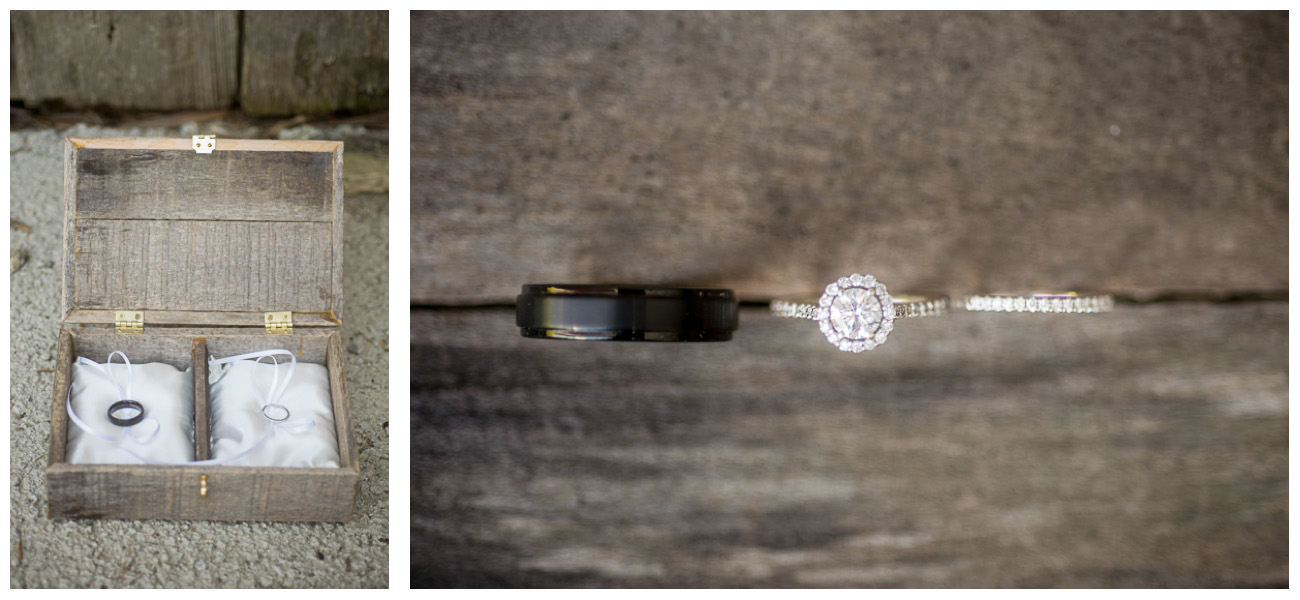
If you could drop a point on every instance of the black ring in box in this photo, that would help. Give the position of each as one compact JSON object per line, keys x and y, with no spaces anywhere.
{"x":134,"y":409}
{"x":626,"y":313}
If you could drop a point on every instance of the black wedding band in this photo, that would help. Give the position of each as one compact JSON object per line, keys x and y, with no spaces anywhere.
{"x":626,"y":313}
{"x":126,"y":406}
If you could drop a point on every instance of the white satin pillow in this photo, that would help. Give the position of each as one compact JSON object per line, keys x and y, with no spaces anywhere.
{"x":167,"y":394}
{"x":238,"y":423}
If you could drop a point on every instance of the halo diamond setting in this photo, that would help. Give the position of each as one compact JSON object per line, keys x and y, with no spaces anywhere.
{"x":856,"y":313}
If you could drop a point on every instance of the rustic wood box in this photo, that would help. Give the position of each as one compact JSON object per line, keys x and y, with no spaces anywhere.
{"x":199,"y":252}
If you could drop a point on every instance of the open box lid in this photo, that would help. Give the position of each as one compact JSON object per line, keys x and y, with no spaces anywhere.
{"x":188,"y":238}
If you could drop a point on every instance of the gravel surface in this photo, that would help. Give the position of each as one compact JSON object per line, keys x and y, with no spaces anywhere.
{"x":94,"y":553}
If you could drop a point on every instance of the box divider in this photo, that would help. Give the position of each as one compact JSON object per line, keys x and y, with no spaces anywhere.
{"x":202,"y":422}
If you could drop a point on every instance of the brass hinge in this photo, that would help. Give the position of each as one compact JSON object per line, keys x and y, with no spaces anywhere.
{"x":129,"y":321}
{"x":279,"y":323}
{"x":203,"y":144}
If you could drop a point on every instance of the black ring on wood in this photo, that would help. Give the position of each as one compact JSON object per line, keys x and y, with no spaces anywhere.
{"x":626,"y":313}
{"x":125,"y":405}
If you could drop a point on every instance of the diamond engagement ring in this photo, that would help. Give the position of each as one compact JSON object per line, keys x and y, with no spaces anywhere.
{"x":1042,"y":302}
{"x":857,"y":313}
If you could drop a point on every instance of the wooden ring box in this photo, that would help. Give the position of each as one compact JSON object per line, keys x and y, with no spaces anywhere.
{"x":172,"y":255}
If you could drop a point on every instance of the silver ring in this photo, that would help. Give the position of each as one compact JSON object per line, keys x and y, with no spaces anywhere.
{"x":856,"y":313}
{"x":1041,"y":302}
{"x":279,"y":406}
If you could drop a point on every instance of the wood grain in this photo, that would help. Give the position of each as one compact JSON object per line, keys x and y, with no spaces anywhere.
{"x":222,"y":186}
{"x":247,"y":230}
{"x":1143,"y":448}
{"x":308,"y":344}
{"x":342,"y":401}
{"x":253,"y":319}
{"x":151,"y":60}
{"x":172,"y":493}
{"x":202,"y":427}
{"x":1143,"y":154}
{"x":772,"y":152}
{"x":97,"y":343}
{"x":65,"y":354}
{"x":302,"y":62}
{"x":201,"y":265}
{"x":336,"y":231}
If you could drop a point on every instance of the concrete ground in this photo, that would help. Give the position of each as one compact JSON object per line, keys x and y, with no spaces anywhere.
{"x":97,"y":554}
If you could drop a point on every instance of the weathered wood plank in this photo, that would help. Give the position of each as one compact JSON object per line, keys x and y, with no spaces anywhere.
{"x":202,"y":427}
{"x":202,"y":265}
{"x":65,"y":354}
{"x":1147,"y":447}
{"x":173,"y":492}
{"x":96,"y":343}
{"x":207,"y":318}
{"x":308,"y":345}
{"x":222,"y":186}
{"x":301,"y":62}
{"x":342,"y":401}
{"x":69,"y":226}
{"x":223,"y":144}
{"x":336,"y":233}
{"x":770,"y":152}
{"x":248,"y":229}
{"x":173,"y":344}
{"x":151,"y":60}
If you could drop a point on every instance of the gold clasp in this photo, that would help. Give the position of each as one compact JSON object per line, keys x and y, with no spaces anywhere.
{"x":203,"y":486}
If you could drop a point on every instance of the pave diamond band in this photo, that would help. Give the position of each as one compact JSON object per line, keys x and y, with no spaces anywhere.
{"x":911,"y":307}
{"x":1051,"y":302}
{"x":856,"y":313}
{"x":794,"y":310}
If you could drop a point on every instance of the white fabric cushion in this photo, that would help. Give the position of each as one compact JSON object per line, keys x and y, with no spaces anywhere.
{"x":238,"y":424}
{"x":167,"y":394}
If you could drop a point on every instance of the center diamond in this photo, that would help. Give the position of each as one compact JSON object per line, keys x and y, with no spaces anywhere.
{"x":856,"y":313}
